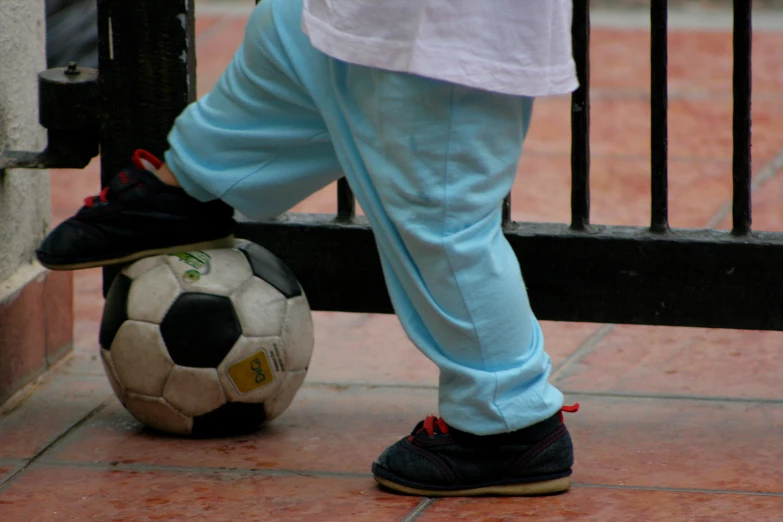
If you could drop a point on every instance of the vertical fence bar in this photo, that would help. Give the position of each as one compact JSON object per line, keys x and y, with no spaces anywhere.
{"x":741,"y":168}
{"x":346,"y":203}
{"x":659,"y":109}
{"x":147,"y":76}
{"x":580,"y":119}
{"x":507,"y":210}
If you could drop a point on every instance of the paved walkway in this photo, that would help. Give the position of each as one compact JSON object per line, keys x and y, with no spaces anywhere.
{"x":676,"y":423}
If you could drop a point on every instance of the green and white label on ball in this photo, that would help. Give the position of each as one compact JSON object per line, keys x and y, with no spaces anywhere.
{"x":200,"y":261}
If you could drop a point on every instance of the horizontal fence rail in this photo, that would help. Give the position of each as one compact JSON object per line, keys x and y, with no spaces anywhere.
{"x":628,"y":275}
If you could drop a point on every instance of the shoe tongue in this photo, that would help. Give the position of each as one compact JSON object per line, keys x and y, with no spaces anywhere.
{"x":145,"y":165}
{"x":131,"y":178}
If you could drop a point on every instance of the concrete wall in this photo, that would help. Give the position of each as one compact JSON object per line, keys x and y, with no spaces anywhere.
{"x":36,"y":307}
{"x":24,"y":194}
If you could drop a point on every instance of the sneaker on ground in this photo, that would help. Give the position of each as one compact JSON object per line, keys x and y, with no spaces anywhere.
{"x":135,"y":216}
{"x":437,"y":460}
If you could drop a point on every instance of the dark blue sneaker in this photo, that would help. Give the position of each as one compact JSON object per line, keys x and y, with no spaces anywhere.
{"x":136,"y":216}
{"x":437,"y":460}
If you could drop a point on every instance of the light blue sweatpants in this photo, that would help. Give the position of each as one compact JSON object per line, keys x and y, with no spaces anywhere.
{"x":428,"y":161}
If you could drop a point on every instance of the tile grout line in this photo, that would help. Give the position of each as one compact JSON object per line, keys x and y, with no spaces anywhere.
{"x":14,"y":465}
{"x":423,"y":505}
{"x":681,"y":490}
{"x":140,"y":467}
{"x":587,"y":347}
{"x":42,"y":452}
{"x":344,"y":386}
{"x":419,"y":510}
{"x":27,"y":392}
{"x":21,"y":396}
{"x":675,"y":397}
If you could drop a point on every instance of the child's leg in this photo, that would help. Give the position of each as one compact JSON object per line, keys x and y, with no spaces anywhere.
{"x":430,"y":163}
{"x":257,"y":140}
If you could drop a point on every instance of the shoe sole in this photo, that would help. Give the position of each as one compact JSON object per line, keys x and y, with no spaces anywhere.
{"x":225,"y":242}
{"x":517,"y":490}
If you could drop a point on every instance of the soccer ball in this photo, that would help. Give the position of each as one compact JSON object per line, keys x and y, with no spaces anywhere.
{"x":206,"y":343}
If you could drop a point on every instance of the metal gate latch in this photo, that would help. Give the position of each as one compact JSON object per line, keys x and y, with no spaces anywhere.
{"x":69,"y":108}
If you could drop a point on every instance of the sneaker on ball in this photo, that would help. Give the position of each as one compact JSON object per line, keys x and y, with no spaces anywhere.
{"x":135,"y":216}
{"x":438,"y":460}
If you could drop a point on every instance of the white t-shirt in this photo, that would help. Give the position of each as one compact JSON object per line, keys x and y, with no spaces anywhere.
{"x":520,"y":47}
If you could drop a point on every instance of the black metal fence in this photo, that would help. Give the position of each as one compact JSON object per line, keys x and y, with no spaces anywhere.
{"x":575,"y":272}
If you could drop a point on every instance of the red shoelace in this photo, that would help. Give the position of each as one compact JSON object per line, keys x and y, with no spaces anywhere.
{"x":142,"y":160}
{"x":568,"y":409}
{"x":431,"y":421}
{"x":102,"y":197}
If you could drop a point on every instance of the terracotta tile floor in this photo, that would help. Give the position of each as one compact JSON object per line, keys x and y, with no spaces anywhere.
{"x":676,"y":423}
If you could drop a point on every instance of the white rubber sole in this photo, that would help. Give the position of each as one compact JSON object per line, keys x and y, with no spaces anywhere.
{"x":516,"y":490}
{"x":225,"y":242}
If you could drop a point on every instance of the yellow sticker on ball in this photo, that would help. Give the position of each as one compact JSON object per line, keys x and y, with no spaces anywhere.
{"x":251,"y":373}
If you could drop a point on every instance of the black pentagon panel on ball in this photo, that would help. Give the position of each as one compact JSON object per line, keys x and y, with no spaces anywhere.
{"x":200,"y":329}
{"x":233,"y":418}
{"x":115,"y":310}
{"x":270,"y":268}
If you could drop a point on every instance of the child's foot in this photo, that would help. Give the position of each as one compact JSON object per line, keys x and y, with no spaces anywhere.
{"x":136,"y":216}
{"x":437,"y":460}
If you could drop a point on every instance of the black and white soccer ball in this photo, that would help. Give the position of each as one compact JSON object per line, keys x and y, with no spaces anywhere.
{"x":206,"y":343}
